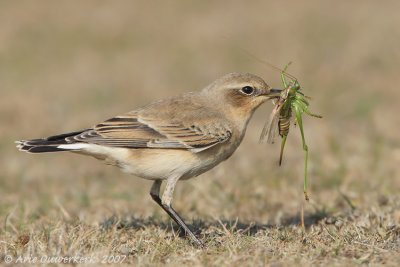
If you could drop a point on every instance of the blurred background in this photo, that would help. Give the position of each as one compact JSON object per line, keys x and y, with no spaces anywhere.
{"x":66,"y":65}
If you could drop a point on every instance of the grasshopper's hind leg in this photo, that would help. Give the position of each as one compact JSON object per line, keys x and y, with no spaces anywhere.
{"x":305,"y":148}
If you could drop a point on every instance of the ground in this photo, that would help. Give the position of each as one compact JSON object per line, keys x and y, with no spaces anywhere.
{"x":65,"y":66}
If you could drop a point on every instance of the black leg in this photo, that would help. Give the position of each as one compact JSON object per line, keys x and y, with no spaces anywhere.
{"x":172,"y":213}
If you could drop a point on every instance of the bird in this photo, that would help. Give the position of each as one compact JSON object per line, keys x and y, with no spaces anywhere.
{"x":171,"y":139}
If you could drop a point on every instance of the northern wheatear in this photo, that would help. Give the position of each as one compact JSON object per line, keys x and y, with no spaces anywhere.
{"x":171,"y":139}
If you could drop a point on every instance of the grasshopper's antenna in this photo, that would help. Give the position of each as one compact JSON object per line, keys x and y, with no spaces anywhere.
{"x":267,"y":63}
{"x":248,"y":53}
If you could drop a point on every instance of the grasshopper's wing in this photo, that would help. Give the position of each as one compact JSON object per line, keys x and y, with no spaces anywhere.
{"x":271,"y":126}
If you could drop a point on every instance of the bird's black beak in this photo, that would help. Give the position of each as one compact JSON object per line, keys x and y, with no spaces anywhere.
{"x":272,"y":93}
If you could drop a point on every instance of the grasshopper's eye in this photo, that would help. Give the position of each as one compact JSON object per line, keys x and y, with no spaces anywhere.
{"x":247,"y":90}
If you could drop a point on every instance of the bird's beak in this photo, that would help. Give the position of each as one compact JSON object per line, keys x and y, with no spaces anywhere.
{"x":272,"y":93}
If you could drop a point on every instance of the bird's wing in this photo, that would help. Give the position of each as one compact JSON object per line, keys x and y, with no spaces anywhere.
{"x":133,"y":130}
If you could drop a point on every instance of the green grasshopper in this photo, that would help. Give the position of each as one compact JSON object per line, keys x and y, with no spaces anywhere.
{"x":291,"y":100}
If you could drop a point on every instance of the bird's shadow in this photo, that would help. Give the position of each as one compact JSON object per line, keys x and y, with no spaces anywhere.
{"x":234,"y":226}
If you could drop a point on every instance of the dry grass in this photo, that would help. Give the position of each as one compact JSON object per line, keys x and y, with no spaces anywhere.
{"x":65,"y":65}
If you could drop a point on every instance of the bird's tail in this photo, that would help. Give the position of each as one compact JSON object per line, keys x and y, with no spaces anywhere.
{"x":50,"y":144}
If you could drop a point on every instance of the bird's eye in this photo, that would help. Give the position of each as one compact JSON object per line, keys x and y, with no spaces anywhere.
{"x":247,"y":90}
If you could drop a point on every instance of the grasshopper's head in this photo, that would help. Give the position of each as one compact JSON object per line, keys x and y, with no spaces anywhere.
{"x":294,"y":88}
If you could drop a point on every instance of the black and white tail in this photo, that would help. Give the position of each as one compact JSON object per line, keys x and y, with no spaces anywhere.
{"x":56,"y":143}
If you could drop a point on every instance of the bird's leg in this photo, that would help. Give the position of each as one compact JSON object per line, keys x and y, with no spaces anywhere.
{"x":155,"y":191}
{"x":165,"y":204}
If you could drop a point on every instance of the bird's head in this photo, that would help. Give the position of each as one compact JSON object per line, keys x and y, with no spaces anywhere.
{"x":240,"y":93}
